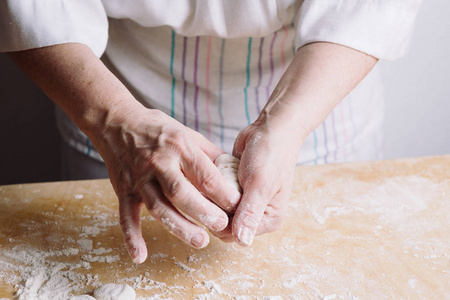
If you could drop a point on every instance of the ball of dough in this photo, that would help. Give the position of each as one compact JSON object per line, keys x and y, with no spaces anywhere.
{"x":112,"y":291}
{"x":228,"y":166}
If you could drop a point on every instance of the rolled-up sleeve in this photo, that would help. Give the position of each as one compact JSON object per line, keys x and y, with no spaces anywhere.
{"x":381,"y":28}
{"x":28,"y":24}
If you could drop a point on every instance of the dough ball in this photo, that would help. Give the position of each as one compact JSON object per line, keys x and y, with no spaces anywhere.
{"x":226,"y":160}
{"x":82,"y":297}
{"x":228,"y":166}
{"x":112,"y":291}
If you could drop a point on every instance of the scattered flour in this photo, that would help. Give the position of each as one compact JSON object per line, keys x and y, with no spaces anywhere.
{"x":103,"y":259}
{"x":111,"y":291}
{"x":158,"y":255}
{"x":82,"y":297}
{"x":213,"y":287}
{"x":42,"y":278}
{"x":90,"y":231}
{"x":101,"y":250}
{"x":85,"y":244}
{"x":184,"y":267}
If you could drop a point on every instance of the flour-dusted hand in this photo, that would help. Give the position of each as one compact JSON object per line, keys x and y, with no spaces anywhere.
{"x":155,"y":161}
{"x":267,"y":161}
{"x":152,"y":159}
{"x":268,"y":155}
{"x":320,"y":75}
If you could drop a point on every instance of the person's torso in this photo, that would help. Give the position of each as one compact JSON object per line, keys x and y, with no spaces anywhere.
{"x":213,"y":64}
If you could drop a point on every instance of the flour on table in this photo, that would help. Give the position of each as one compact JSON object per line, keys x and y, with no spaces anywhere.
{"x":82,"y":297}
{"x":228,"y":166}
{"x":213,"y":287}
{"x":105,"y":258}
{"x":111,"y":291}
{"x":85,"y":244}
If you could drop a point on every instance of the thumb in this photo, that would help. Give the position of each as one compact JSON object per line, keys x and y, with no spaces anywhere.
{"x":248,"y":215}
{"x":239,"y":143}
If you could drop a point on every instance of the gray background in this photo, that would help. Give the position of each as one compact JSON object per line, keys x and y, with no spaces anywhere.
{"x":417,"y":102}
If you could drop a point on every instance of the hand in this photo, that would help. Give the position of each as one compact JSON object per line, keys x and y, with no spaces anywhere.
{"x":268,"y":155}
{"x":152,"y":160}
{"x":155,"y":161}
{"x":320,"y":75}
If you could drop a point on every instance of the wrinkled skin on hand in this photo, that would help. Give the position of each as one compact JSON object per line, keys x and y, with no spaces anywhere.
{"x":268,"y":157}
{"x":156,"y":162}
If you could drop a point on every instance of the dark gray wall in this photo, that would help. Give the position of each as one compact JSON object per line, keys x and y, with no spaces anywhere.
{"x":29,"y":141}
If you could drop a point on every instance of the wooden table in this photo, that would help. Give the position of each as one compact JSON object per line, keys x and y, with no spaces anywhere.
{"x":373,"y":230}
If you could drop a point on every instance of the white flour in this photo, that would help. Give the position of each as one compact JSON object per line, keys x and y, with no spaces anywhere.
{"x":40,"y":276}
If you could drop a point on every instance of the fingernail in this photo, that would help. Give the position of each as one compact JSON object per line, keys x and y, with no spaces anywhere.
{"x":138,"y":255}
{"x":199,"y":241}
{"x":245,"y":236}
{"x":213,"y":222}
{"x":220,"y":224}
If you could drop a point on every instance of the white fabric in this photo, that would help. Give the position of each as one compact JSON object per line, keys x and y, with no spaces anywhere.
{"x":26,"y":24}
{"x":212,"y":64}
{"x":378,"y":27}
{"x":381,"y":28}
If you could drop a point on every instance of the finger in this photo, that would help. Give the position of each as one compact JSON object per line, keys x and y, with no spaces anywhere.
{"x":130,"y":209}
{"x":171,"y":219}
{"x":274,"y":214}
{"x":249,"y":213}
{"x":206,"y":177}
{"x":240,"y":144}
{"x":210,"y":149}
{"x":226,"y":234}
{"x":184,"y":196}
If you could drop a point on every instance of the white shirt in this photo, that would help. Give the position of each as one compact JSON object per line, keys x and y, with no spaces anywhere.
{"x":213,"y":64}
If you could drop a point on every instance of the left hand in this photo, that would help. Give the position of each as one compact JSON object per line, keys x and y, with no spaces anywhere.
{"x":268,"y":155}
{"x":320,"y":75}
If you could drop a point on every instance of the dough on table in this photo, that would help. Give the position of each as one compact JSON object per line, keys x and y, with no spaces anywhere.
{"x":228,"y":166}
{"x":112,"y":291}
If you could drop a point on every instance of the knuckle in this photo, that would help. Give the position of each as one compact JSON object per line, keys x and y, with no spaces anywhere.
{"x":157,"y":209}
{"x":250,"y":216}
{"x":127,"y":230}
{"x":176,"y":140}
{"x":153,"y":159}
{"x":148,"y":160}
{"x":175,"y":190}
{"x":210,"y":182}
{"x":128,"y":239}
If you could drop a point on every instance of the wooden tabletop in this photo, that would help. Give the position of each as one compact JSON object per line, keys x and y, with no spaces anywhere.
{"x":372,"y":230}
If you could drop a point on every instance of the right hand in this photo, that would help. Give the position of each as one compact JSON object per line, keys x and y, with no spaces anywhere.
{"x":155,"y":161}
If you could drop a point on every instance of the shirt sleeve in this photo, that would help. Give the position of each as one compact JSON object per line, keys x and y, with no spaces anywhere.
{"x":381,"y":28}
{"x":28,"y":24}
